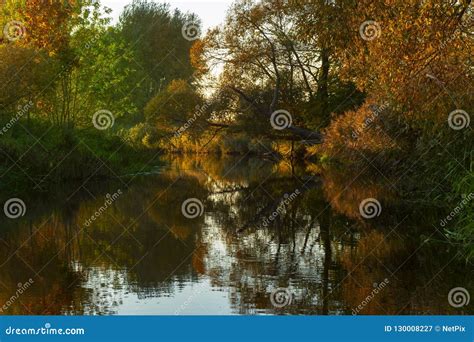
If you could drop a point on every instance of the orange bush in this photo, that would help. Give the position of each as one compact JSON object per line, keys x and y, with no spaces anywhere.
{"x":366,"y":132}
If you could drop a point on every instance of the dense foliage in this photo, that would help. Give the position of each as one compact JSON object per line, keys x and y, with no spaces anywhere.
{"x":386,"y":83}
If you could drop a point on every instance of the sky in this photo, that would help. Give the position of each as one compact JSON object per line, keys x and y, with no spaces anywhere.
{"x":211,"y":12}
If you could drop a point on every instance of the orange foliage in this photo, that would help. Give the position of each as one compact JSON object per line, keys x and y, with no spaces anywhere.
{"x":413,"y":61}
{"x":364,"y":131}
{"x":413,"y":54}
{"x":197,"y":57}
{"x":47,"y":24}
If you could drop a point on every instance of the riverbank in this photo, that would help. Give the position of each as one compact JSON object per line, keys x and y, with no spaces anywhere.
{"x":36,"y":154}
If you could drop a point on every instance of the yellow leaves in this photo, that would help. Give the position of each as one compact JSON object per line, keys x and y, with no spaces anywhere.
{"x":197,"y":57}
{"x":413,"y":37}
{"x":359,"y":130}
{"x":178,"y":87}
{"x":48,"y":24}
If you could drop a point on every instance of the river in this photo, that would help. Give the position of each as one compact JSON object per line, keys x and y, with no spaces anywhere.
{"x":226,"y":236}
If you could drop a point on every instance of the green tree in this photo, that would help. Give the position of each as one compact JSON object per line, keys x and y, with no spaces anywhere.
{"x":176,"y":109}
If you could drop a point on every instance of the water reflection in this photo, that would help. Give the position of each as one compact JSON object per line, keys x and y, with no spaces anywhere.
{"x":265,"y":226}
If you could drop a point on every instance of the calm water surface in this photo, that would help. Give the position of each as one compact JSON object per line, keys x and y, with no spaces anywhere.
{"x":141,"y":255}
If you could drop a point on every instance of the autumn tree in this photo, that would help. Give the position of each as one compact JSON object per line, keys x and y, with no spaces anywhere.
{"x":271,"y":62}
{"x":410,"y":53}
{"x":47,"y":30}
{"x":414,"y":60}
{"x":49,"y":23}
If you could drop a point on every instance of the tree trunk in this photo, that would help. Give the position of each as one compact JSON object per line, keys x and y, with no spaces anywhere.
{"x":323,"y":92}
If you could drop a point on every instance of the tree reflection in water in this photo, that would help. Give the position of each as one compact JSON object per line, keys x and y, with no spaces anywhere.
{"x":142,"y":256}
